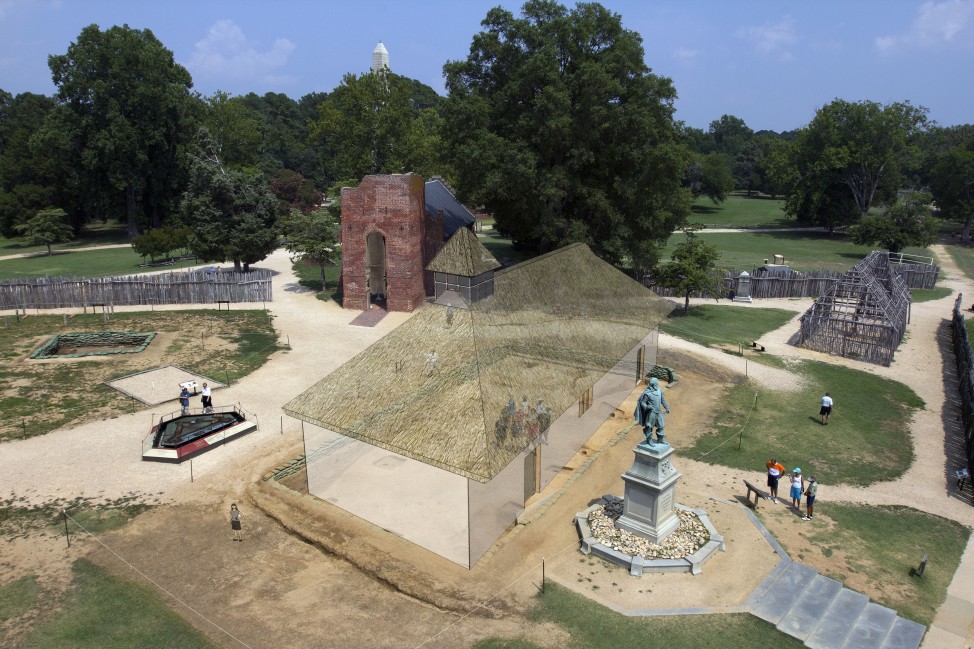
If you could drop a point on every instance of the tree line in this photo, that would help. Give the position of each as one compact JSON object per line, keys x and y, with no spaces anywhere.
{"x":553,"y":123}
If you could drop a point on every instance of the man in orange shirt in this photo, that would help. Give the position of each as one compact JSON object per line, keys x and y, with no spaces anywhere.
{"x":775,"y":469}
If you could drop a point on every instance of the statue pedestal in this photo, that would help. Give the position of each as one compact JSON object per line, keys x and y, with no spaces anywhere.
{"x":650,"y":494}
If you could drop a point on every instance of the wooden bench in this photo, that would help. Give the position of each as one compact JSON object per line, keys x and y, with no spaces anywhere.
{"x":758,"y":494}
{"x":220,"y":303}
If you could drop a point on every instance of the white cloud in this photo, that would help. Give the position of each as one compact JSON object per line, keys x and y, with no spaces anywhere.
{"x":936,"y":22}
{"x":685,"y":54}
{"x":772,"y":38}
{"x":226,"y":54}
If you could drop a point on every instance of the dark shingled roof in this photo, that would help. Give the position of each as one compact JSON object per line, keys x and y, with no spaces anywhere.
{"x":463,"y":255}
{"x":455,"y":215}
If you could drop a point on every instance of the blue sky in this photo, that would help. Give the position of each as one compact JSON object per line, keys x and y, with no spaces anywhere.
{"x":771,"y":63}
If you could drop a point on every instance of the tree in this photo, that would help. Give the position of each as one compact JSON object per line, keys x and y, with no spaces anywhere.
{"x":46,"y":228}
{"x":232,"y":215}
{"x":952,"y":184}
{"x":730,"y":134}
{"x":693,"y":268}
{"x":857,"y":144}
{"x":123,"y":112}
{"x":295,"y":191}
{"x":556,"y":125}
{"x":236,"y":129}
{"x":370,"y":125}
{"x":313,"y":236}
{"x":160,"y":242}
{"x":906,"y":223}
{"x":710,"y":176}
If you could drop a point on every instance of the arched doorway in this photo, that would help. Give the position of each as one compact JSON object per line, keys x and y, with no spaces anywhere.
{"x":375,"y":269}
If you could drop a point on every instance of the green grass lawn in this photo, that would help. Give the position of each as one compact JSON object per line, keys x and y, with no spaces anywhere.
{"x":712,"y":326}
{"x":868,"y":545}
{"x":930,"y":294}
{"x":593,"y":626}
{"x":963,"y":256}
{"x":739,"y":211}
{"x":802,"y":250}
{"x":81,"y":263}
{"x":309,"y":276}
{"x":867,"y":439}
{"x":502,"y":248}
{"x":101,"y":611}
{"x":93,"y":234}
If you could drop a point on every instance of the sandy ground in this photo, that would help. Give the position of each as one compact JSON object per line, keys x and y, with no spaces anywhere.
{"x":275,"y":588}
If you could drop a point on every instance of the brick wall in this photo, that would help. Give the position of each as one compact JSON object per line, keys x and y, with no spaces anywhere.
{"x":393,"y":205}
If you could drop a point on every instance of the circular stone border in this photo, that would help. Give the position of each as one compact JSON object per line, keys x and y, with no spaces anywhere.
{"x":637,"y":565}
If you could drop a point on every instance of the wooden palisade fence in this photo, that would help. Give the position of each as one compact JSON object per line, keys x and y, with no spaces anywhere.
{"x":191,"y":287}
{"x":792,"y":283}
{"x":965,"y":379}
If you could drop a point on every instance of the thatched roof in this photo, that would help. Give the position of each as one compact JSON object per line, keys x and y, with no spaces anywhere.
{"x":554,"y":326}
{"x":463,"y":255}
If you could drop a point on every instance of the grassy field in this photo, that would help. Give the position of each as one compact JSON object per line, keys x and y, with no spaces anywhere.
{"x":714,"y":326}
{"x":595,"y":627}
{"x":867,"y":439}
{"x":41,"y":396}
{"x":739,"y":211}
{"x":309,"y":276}
{"x":86,"y":263}
{"x":103,"y":612}
{"x":873,"y":549}
{"x":963,"y":256}
{"x":802,"y":250}
{"x":930,"y":294}
{"x":94,"y":234}
{"x":502,"y":249}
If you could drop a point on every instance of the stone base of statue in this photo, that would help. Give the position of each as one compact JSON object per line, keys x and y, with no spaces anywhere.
{"x":743,"y":298}
{"x":650,"y":495}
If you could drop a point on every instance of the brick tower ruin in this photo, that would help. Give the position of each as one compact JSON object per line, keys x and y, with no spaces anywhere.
{"x":387,"y":240}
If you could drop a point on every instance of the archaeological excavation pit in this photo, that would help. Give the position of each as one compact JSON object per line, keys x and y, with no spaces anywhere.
{"x":99,"y":343}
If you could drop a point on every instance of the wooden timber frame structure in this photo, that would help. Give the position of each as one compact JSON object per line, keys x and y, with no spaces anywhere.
{"x":863,"y":315}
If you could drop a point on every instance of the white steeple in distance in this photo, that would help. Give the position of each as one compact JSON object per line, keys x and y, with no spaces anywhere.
{"x":380,"y":57}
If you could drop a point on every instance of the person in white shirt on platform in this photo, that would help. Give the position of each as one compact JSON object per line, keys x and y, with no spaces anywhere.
{"x":826,"y":409}
{"x":207,"y":399}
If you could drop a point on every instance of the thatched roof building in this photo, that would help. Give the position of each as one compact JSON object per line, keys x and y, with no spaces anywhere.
{"x":441,"y":387}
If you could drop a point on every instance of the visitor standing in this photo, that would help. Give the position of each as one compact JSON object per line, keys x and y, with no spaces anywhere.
{"x":235,"y":523}
{"x":206,"y":398}
{"x":184,"y":399}
{"x":797,"y":487}
{"x":775,"y":469}
{"x":810,"y":492}
{"x":826,"y":409}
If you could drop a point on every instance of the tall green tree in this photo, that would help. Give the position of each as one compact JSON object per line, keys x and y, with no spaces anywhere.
{"x":47,"y":227}
{"x":857,"y":144}
{"x":232,"y":215}
{"x":710,"y":175}
{"x":907,"y":222}
{"x":692,"y":268}
{"x":236,"y":127}
{"x":29,"y":179}
{"x":556,"y":125}
{"x":952,"y":184}
{"x":124,"y":111}
{"x":370,"y":125}
{"x":313,"y":236}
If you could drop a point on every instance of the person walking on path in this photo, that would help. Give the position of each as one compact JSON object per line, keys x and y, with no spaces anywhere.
{"x":235,"y":528}
{"x":207,"y":399}
{"x":810,"y":491}
{"x":826,"y":409}
{"x":184,"y":400}
{"x":775,"y":469}
{"x":797,"y":487}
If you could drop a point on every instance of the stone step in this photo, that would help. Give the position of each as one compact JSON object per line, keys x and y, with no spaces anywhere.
{"x":783,"y":593}
{"x":905,"y":634}
{"x":810,"y":607}
{"x":871,"y":629}
{"x":837,"y":622}
{"x":768,"y":582}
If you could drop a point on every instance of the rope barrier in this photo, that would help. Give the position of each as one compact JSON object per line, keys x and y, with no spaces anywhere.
{"x":740,"y":432}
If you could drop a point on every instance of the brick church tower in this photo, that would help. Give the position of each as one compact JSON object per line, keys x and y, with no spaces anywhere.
{"x":387,"y":239}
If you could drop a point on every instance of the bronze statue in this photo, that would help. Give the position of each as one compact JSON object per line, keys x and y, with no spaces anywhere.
{"x":649,"y":412}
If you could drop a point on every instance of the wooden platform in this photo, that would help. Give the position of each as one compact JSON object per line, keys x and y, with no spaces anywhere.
{"x":198,"y":446}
